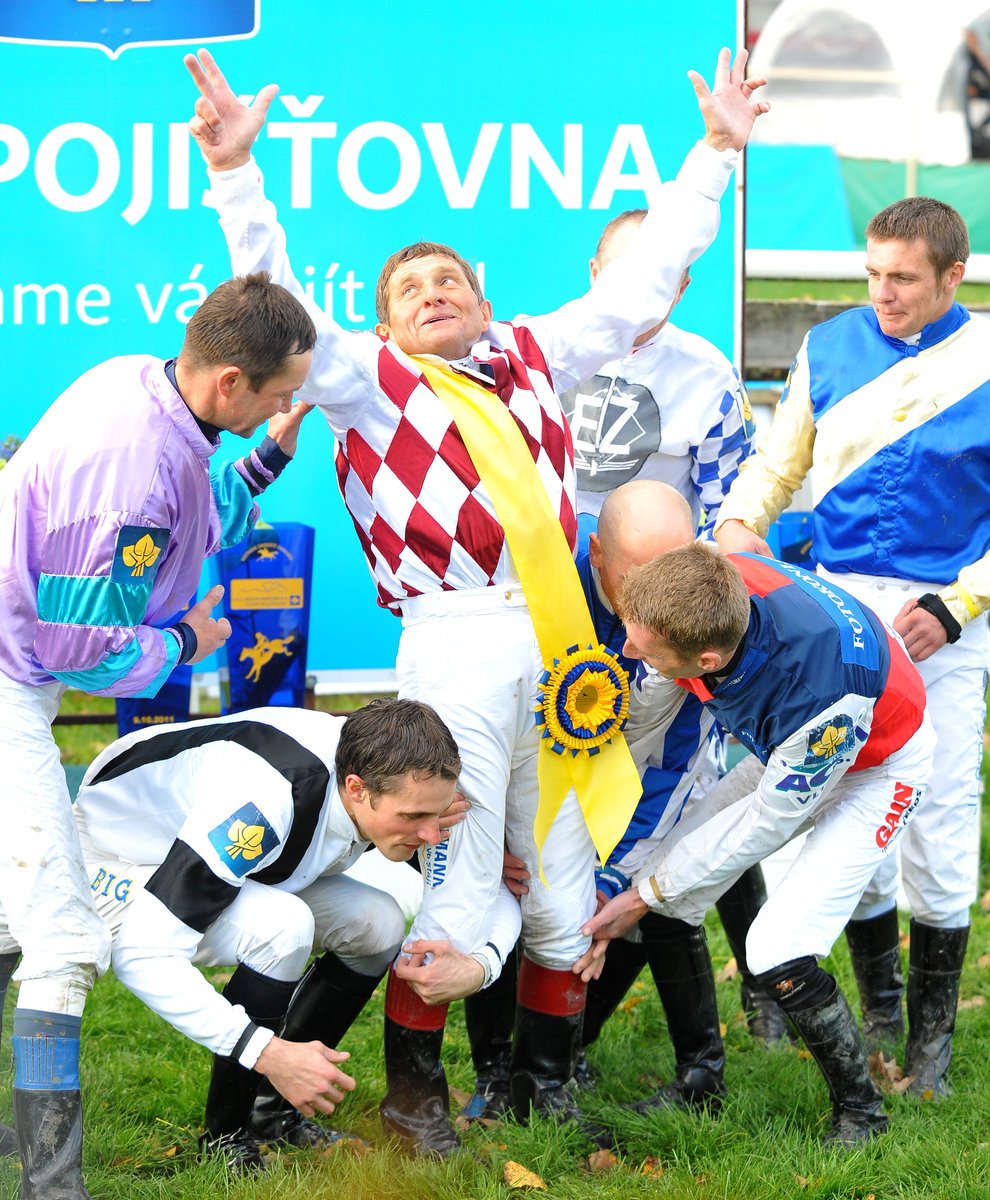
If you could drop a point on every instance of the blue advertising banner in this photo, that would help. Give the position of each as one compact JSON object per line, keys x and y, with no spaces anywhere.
{"x":513,"y":134}
{"x":267,"y":579}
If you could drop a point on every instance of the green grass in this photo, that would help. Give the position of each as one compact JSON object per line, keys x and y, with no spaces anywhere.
{"x":144,"y":1087}
{"x":841,"y":291}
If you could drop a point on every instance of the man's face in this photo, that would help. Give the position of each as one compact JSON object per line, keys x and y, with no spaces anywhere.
{"x":433,"y":309}
{"x":243,"y":409}
{"x":658,"y":653}
{"x":905,"y":291}
{"x":402,"y":821}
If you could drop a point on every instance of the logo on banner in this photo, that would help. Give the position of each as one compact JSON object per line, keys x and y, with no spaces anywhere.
{"x":262,"y":653}
{"x":117,"y":25}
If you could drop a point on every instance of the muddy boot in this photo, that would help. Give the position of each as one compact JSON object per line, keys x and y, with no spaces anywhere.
{"x":47,"y":1105}
{"x":490,"y":1016}
{"x":8,"y":963}
{"x":812,"y":1000}
{"x":874,"y":948}
{"x":329,"y":997}
{"x":934,"y":967}
{"x":416,"y":1106}
{"x":682,"y":971}
{"x":737,"y":910}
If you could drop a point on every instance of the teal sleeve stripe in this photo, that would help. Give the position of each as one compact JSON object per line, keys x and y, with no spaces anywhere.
{"x":105,"y":674}
{"x":171,"y":658}
{"x":234,"y":502}
{"x":85,"y":600}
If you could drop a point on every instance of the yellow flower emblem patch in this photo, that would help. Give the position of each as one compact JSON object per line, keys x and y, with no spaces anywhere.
{"x":144,"y":553}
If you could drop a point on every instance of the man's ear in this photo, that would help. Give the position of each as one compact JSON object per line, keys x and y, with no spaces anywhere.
{"x":228,"y":380}
{"x":356,"y":789}
{"x":383,"y":330}
{"x":486,"y":312}
{"x":593,"y":269}
{"x":710,"y":660}
{"x":595,"y":551}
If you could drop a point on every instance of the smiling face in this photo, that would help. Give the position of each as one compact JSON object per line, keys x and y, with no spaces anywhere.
{"x":401,"y":820}
{"x":433,"y":309}
{"x":905,"y":290}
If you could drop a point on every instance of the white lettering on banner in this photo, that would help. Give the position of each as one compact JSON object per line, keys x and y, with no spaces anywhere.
{"x":107,"y":166}
{"x":528,"y":155}
{"x":89,"y":296}
{"x":461,"y":193}
{"x":348,"y":285}
{"x":18,"y":152}
{"x":410,"y":165}
{"x":564,"y":182}
{"x":183,"y":312}
{"x":301,"y":138}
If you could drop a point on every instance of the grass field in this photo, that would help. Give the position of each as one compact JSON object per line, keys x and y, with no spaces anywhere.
{"x":145,"y":1085}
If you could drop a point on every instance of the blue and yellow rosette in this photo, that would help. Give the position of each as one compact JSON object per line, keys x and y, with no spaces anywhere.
{"x":585,"y":694}
{"x":584,"y":702}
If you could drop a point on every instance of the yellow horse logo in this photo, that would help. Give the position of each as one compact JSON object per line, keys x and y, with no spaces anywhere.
{"x":262,"y":653}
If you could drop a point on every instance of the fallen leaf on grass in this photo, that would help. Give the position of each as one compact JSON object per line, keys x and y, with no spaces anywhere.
{"x":517,"y":1176}
{"x":729,"y":972}
{"x":723,"y":1029}
{"x":172,"y":1151}
{"x":602,"y":1160}
{"x":904,"y":940}
{"x":651,"y":1167}
{"x":630,"y":1003}
{"x":972,"y":1002}
{"x":805,"y":1055}
{"x":983,"y":961}
{"x":459,"y":1096}
{"x":888,"y":1074}
{"x":985,"y":901}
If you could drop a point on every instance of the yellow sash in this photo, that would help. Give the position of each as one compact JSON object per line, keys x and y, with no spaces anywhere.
{"x":606,"y":781}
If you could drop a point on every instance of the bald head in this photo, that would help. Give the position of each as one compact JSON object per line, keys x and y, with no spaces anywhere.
{"x":638,"y":521}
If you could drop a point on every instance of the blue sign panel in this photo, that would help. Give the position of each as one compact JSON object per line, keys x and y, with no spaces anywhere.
{"x":116,"y":25}
{"x":512,"y":134}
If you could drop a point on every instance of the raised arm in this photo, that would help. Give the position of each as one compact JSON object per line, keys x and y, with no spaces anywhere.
{"x":639,"y":286}
{"x":224,"y":128}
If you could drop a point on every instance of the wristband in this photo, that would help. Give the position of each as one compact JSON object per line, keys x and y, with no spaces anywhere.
{"x":931,"y":603}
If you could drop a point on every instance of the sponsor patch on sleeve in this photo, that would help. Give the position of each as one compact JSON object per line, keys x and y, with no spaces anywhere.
{"x":826,"y":742}
{"x":243,"y":839}
{"x":138,"y":553}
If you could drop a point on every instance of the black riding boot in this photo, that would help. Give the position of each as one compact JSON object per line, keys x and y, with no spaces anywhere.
{"x":935,"y":965}
{"x":874,"y":948}
{"x":623,"y":963}
{"x":233,"y":1087}
{"x":737,"y":910}
{"x":813,"y":1001}
{"x":416,"y":1106}
{"x":328,"y":999}
{"x":549,"y":1015}
{"x":490,"y":1016}
{"x":682,"y":971}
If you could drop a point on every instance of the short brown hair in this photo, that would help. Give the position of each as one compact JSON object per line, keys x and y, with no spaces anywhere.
{"x":248,"y":322}
{"x":407,"y":254}
{"x":692,"y":597}
{"x":387,"y":739}
{"x":940,"y":227}
{"x":631,"y":214}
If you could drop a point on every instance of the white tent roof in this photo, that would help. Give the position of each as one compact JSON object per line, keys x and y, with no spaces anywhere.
{"x":877,"y":80}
